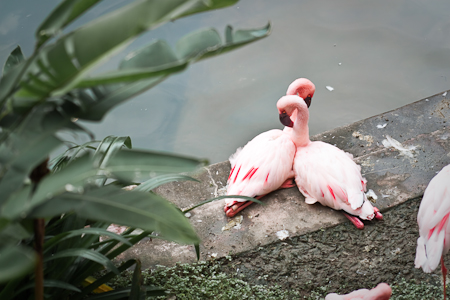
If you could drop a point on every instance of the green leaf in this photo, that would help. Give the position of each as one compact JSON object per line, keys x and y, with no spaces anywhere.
{"x":104,"y":279}
{"x":138,"y":165}
{"x":197,"y":250}
{"x":58,"y":67}
{"x":71,"y":178}
{"x":13,"y":59}
{"x":153,"y":183}
{"x":27,"y":146}
{"x":95,"y":231}
{"x":15,"y":262}
{"x":223,"y":197}
{"x":110,"y":204}
{"x":87,"y":254}
{"x":108,"y":147}
{"x":115,"y":96}
{"x":126,"y":165}
{"x":51,"y":283}
{"x":158,"y":59}
{"x":137,"y":293}
{"x":61,"y":16}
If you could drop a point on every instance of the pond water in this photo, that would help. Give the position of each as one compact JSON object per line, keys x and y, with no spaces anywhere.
{"x":377,"y":55}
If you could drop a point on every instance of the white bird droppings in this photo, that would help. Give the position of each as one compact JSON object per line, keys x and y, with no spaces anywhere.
{"x":187,"y":215}
{"x":371,"y":194}
{"x":390,"y":142}
{"x":282,"y":234}
{"x":444,"y":94}
{"x":330,"y":88}
{"x":381,"y":126}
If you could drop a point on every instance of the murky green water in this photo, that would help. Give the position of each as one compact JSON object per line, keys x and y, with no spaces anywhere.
{"x":377,"y":56}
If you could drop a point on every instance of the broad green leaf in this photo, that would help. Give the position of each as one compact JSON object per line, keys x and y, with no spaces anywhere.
{"x":13,"y":59}
{"x":61,"y":16}
{"x":157,"y":54}
{"x":87,"y":254}
{"x":194,"y":44}
{"x":220,"y":198}
{"x":71,"y":178}
{"x":27,"y":146}
{"x":108,"y":147}
{"x":104,"y":279}
{"x":95,"y":231}
{"x":15,"y":262}
{"x":153,"y":183}
{"x":51,"y":283}
{"x":131,"y":75}
{"x":138,"y":165}
{"x":116,"y":96}
{"x":110,"y":204}
{"x":158,"y":59}
{"x":58,"y":67}
{"x":136,"y":284}
{"x":126,"y":165}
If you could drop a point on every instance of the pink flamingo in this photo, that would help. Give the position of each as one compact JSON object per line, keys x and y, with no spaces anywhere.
{"x":381,"y":292}
{"x":264,"y":164}
{"x":324,"y":173}
{"x":434,"y":228}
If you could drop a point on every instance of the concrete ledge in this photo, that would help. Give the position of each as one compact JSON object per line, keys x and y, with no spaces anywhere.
{"x":394,"y":178}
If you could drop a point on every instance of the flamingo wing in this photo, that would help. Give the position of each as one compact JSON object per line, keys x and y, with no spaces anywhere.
{"x":433,"y":221}
{"x":262,"y":165}
{"x":329,"y":175}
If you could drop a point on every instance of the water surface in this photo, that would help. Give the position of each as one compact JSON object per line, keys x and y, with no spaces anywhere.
{"x":377,"y":55}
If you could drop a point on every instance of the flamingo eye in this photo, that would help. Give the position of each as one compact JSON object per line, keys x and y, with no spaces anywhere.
{"x":309,"y":96}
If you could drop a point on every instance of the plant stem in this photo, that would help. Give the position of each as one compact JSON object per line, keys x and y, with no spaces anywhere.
{"x":39,"y":233}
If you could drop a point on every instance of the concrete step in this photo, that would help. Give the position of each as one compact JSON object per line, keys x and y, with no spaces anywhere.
{"x":394,"y":177}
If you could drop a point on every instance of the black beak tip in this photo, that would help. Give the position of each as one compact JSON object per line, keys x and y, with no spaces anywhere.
{"x":308,"y":101}
{"x":286,"y":120}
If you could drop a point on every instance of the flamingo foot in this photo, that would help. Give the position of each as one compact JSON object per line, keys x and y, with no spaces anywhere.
{"x":355,"y":220}
{"x":235,"y":207}
{"x":288,"y":184}
{"x":378,"y":215}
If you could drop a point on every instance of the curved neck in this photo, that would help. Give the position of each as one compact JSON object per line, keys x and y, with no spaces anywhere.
{"x":299,"y":134}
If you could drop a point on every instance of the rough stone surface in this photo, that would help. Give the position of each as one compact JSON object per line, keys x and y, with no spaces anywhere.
{"x":394,"y":178}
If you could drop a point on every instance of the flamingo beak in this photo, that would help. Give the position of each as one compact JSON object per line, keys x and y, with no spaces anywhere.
{"x":286,"y":120}
{"x":308,"y":101}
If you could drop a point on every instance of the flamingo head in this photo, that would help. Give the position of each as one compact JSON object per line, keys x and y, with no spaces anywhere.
{"x":303,"y":88}
{"x":288,"y":107}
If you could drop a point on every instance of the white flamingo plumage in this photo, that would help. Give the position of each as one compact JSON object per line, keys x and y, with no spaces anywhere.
{"x":264,"y":164}
{"x":381,"y":292}
{"x":434,"y":226}
{"x":324,"y":173}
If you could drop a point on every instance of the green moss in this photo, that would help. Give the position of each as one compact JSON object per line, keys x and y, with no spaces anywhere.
{"x":206,"y":280}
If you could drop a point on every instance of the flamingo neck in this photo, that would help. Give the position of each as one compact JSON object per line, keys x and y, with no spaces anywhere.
{"x":300,"y":132}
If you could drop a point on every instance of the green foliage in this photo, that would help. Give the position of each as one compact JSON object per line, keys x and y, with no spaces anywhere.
{"x":81,"y":195}
{"x":205,"y":280}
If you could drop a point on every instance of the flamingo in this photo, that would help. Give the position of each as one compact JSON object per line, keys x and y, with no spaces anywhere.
{"x":381,"y":292}
{"x":324,"y":173}
{"x":434,"y":228}
{"x":264,"y":164}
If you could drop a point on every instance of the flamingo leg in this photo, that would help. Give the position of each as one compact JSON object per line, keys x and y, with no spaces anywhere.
{"x":288,"y":184}
{"x":355,"y":220}
{"x":378,"y":215}
{"x":232,"y":209}
{"x":444,"y":276}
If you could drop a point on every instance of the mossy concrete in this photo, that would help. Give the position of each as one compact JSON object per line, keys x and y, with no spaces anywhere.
{"x":393,"y":177}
